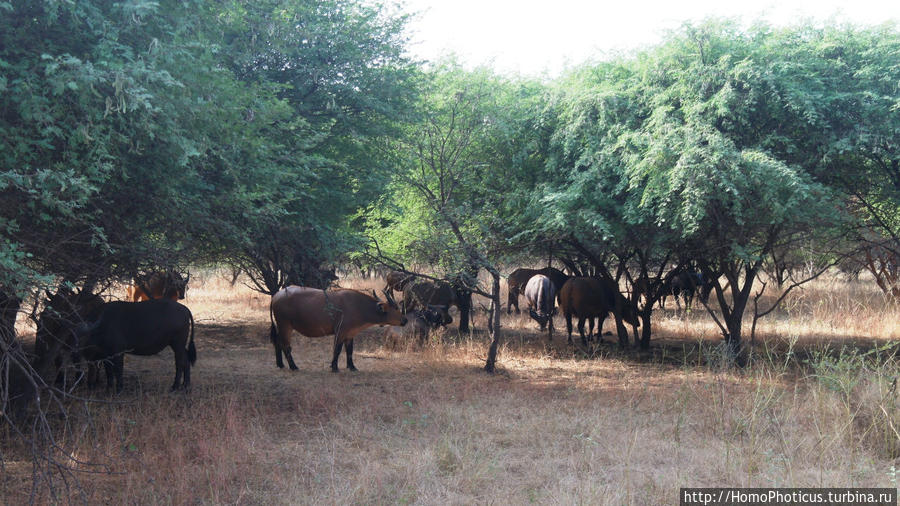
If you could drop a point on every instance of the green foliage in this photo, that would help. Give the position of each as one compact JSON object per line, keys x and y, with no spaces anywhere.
{"x":145,"y":133}
{"x":466,"y":162}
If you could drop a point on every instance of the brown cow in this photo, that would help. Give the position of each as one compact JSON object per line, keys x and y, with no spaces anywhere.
{"x":519,"y":277}
{"x":423,"y":292}
{"x":315,"y":313}
{"x":592,"y":298}
{"x":397,"y":280}
{"x":160,"y":285}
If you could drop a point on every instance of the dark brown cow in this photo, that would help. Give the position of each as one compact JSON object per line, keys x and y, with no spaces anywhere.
{"x":55,"y":340}
{"x":686,"y":284}
{"x":519,"y":277}
{"x":159,"y":285}
{"x":592,"y":298}
{"x":396,"y":280}
{"x":315,"y":313}
{"x":540,"y":295}
{"x":141,"y":328}
{"x":423,"y":292}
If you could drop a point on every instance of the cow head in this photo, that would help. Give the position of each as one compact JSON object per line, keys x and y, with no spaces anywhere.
{"x":630,"y":312}
{"x":435,"y":315}
{"x":175,"y":285}
{"x":389,"y":310}
{"x":542,"y":319}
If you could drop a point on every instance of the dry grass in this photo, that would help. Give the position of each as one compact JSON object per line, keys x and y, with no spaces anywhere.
{"x":425,"y":425}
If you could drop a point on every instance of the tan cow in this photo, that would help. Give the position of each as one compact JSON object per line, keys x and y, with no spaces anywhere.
{"x":315,"y":313}
{"x":160,"y":285}
{"x":397,"y":280}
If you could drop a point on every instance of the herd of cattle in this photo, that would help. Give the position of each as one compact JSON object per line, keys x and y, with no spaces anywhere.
{"x":98,"y":332}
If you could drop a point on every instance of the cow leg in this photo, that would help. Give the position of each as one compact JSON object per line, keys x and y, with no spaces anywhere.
{"x":118,"y":366}
{"x":276,"y":342}
{"x":187,"y":373}
{"x":290,"y":359}
{"x":569,"y":326}
{"x":591,"y":335}
{"x":180,"y":363}
{"x":337,"y":352}
{"x":110,"y":373}
{"x":581,"y":331}
{"x":510,"y":300}
{"x":283,"y":346}
{"x":600,"y":321}
{"x":278,"y":361}
{"x":349,"y":351}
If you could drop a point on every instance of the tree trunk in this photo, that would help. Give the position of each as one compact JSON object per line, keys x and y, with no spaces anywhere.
{"x":494,"y":323}
{"x":464,"y":298}
{"x":645,"y":322}
{"x":9,"y":309}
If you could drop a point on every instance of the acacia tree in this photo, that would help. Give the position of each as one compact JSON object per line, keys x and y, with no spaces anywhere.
{"x":339,"y":66}
{"x":842,"y":83}
{"x":130,"y":140}
{"x":730,"y":190}
{"x":455,"y":165}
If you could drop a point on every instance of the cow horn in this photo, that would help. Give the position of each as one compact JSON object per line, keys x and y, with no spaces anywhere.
{"x":390,"y":299}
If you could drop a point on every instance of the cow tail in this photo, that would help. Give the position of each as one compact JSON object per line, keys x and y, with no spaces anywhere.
{"x":273,"y":332}
{"x":192,"y":350}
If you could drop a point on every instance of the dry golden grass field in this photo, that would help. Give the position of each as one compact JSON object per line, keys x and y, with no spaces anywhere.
{"x":425,"y":424}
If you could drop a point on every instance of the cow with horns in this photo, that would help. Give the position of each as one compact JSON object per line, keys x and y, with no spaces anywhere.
{"x":316,"y":313}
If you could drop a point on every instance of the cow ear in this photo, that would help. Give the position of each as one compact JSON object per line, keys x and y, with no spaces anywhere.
{"x":380,"y":307}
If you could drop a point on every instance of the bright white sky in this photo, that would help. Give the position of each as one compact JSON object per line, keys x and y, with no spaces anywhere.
{"x":534,"y":37}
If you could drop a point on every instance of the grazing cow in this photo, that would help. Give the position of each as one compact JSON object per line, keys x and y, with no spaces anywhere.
{"x":418,"y":327}
{"x":540,"y":295}
{"x":396,"y":280}
{"x":315,"y":313}
{"x":686,"y":284}
{"x":159,"y":285}
{"x":519,"y":278}
{"x":593,"y":298}
{"x":423,"y":292}
{"x":55,"y":340}
{"x":141,"y":328}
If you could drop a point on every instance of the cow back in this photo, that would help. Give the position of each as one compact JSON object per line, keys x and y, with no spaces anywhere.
{"x":422,"y":292}
{"x":540,"y":292}
{"x":315,"y":313}
{"x":140,"y":328}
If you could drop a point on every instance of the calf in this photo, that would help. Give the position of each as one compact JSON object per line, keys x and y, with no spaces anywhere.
{"x":417,"y":328}
{"x":422,"y":293}
{"x":141,"y":328}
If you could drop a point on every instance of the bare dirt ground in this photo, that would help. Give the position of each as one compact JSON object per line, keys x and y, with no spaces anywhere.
{"x":425,"y":424}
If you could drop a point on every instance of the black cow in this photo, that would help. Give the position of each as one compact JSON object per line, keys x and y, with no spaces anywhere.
{"x":141,"y":328}
{"x":55,"y":340}
{"x":687,"y":284}
{"x":440,"y":295}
